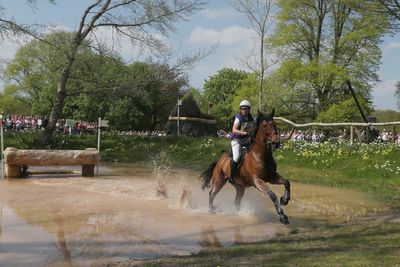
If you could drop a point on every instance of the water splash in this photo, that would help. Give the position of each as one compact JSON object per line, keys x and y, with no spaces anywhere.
{"x":161,"y":168}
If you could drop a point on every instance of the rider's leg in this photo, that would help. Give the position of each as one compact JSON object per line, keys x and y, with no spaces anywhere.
{"x":235,"y":159}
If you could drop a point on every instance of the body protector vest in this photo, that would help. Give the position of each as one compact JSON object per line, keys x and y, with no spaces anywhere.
{"x":246,"y":123}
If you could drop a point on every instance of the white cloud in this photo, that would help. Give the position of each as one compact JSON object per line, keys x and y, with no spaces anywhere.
{"x":219,"y":13}
{"x":10,"y":46}
{"x":227,"y":36}
{"x":391,"y":46}
{"x":383,"y":95}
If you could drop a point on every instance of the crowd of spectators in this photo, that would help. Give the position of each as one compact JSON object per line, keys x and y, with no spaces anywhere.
{"x":21,"y":123}
{"x":80,"y":127}
{"x":383,"y":136}
{"x":138,"y":133}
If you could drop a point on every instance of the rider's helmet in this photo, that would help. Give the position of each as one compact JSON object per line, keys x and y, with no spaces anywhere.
{"x":245,"y":103}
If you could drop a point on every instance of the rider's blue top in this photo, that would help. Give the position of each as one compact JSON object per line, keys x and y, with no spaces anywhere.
{"x":246,"y":123}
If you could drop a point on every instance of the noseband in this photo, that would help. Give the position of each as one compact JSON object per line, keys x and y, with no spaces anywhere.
{"x":268,"y":141}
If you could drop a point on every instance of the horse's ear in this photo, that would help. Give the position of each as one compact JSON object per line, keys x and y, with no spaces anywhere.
{"x":273,"y":113}
{"x":259,"y":112}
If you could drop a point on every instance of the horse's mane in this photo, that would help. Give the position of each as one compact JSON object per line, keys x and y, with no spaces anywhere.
{"x":261,"y":117}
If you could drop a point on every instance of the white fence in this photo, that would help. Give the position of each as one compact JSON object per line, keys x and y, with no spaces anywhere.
{"x":352,"y":126}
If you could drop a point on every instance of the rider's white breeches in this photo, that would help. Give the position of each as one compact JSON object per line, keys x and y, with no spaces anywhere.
{"x":236,"y":149}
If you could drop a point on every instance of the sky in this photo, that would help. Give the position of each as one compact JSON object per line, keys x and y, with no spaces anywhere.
{"x":217,"y":26}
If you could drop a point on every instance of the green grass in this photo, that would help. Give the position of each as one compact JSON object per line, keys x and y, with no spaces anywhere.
{"x":362,"y":244}
{"x":370,"y":168}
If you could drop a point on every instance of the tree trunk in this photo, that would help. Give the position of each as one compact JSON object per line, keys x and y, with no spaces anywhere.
{"x":262,"y":63}
{"x":60,"y":96}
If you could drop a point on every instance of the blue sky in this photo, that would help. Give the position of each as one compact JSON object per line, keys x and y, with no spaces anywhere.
{"x":218,"y":24}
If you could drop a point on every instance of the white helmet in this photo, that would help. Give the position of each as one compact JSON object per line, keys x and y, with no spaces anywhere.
{"x":245,"y":103}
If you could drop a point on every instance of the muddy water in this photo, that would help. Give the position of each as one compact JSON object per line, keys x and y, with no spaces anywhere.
{"x":141,"y":212}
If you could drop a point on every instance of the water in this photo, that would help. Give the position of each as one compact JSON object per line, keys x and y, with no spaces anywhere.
{"x":141,"y":212}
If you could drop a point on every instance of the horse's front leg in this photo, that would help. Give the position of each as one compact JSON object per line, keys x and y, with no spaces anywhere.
{"x":239,"y":195}
{"x":218,"y":183}
{"x":262,"y":186}
{"x":278,"y":179}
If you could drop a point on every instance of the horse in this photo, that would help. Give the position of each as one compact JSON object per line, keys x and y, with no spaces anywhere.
{"x":258,"y":168}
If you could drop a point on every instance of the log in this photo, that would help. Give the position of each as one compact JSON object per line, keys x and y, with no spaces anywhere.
{"x":14,"y":159}
{"x":13,"y":156}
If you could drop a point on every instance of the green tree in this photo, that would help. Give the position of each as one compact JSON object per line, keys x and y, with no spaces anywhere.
{"x":35,"y":67}
{"x":11,"y":103}
{"x":345,"y":111}
{"x":386,"y":115}
{"x":140,"y":95}
{"x":330,"y":41}
{"x":152,"y":91}
{"x":220,"y":90}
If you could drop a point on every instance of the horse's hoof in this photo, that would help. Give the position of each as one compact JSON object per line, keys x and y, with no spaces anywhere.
{"x":284,"y":219}
{"x":284,"y":201}
{"x":213,"y":210}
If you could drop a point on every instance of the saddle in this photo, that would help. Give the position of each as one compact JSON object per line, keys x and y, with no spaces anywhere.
{"x":245,"y":144}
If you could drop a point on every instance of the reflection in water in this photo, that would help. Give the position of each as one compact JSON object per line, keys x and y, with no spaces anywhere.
{"x":133,"y":212}
{"x":209,"y":239}
{"x":61,"y":239}
{"x":238,"y":235}
{"x":1,"y":220}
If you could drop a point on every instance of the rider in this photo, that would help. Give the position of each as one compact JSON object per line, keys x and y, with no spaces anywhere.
{"x":243,"y":124}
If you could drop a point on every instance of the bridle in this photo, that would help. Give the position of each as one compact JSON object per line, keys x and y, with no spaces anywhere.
{"x":267,"y":139}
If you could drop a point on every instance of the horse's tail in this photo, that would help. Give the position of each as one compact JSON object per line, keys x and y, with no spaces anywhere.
{"x":207,"y":175}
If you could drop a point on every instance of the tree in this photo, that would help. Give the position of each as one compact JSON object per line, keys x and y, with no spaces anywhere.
{"x":220,"y":89}
{"x":386,"y":115}
{"x":391,"y":8}
{"x":345,"y":111}
{"x":333,"y":41}
{"x":258,"y":13}
{"x":141,"y":21}
{"x":10,"y":102}
{"x":98,"y":85}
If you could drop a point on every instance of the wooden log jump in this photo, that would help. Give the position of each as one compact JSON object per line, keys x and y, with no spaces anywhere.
{"x":15,"y":160}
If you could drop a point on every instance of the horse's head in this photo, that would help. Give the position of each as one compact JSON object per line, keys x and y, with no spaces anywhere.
{"x":267,"y":129}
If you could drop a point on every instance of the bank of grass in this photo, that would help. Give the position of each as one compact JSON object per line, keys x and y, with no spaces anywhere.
{"x":362,"y":244}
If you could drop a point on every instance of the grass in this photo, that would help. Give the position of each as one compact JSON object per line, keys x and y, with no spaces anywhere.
{"x":362,"y":244}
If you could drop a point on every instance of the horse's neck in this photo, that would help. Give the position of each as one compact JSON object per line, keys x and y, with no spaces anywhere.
{"x":261,"y":150}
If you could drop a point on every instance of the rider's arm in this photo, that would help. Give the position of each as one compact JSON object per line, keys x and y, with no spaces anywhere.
{"x":236,"y":130}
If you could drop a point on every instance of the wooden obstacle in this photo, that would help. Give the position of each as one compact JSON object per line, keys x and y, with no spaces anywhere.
{"x":17,"y":160}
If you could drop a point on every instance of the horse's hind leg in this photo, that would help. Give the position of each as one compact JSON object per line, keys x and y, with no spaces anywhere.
{"x":262,"y":186}
{"x":218,"y":183}
{"x":239,"y":195}
{"x":284,"y":200}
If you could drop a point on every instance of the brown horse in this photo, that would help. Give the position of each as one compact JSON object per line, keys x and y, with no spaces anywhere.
{"x":258,"y":167}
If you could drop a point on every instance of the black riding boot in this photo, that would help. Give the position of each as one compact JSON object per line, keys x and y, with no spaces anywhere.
{"x":233,"y":171}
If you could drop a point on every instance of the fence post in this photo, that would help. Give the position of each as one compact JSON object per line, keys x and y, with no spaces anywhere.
{"x":351,"y":134}
{"x":394,"y":134}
